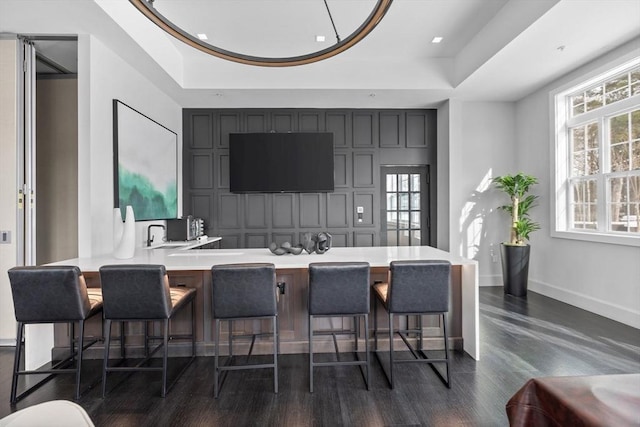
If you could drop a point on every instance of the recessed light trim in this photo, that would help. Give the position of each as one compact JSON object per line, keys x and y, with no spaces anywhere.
{"x":437,"y":39}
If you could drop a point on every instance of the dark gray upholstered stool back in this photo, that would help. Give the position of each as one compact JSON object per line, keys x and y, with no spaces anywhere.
{"x":419,"y":286}
{"x":244,"y":290}
{"x":338,"y":288}
{"x":135,"y":291}
{"x":141,"y":293}
{"x":49,"y":294}
{"x":52,"y":294}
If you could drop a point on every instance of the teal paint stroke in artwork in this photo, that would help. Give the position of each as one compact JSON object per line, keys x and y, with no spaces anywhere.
{"x":147,"y":201}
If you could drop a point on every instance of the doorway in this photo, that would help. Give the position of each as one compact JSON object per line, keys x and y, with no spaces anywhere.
{"x":49,"y":164}
{"x":46,"y":165}
{"x":404,"y":206}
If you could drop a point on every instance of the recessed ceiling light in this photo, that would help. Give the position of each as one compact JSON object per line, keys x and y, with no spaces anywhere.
{"x":319,"y":39}
{"x":436,"y":40}
{"x":202,"y":36}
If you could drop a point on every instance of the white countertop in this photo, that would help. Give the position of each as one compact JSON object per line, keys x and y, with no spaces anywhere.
{"x":202,"y":259}
{"x":176,"y":259}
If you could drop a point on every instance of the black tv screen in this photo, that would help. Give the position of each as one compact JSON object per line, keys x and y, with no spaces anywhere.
{"x":281,"y":162}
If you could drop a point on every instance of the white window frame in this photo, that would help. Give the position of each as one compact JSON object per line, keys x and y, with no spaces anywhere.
{"x":560,"y":121}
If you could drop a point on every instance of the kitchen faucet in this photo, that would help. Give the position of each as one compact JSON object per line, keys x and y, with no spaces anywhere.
{"x":149,"y":238}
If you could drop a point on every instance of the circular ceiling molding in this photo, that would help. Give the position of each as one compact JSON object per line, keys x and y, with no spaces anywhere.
{"x":380,"y":9}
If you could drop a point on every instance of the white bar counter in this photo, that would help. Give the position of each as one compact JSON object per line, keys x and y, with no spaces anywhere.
{"x":177,"y":260}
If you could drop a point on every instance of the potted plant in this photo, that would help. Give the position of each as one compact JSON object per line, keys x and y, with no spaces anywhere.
{"x":515,"y":253}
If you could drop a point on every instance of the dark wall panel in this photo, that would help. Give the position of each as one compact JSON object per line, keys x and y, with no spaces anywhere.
{"x":310,"y":210}
{"x":200,"y":175}
{"x":364,"y":129}
{"x":283,"y":211}
{"x":366,"y":201}
{"x":202,"y":131}
{"x":339,"y":122}
{"x":364,"y":169}
{"x":285,"y":121}
{"x":228,"y":211}
{"x":339,"y":239}
{"x":341,"y":170}
{"x":364,"y":140}
{"x":256,"y":240}
{"x":257,"y":122}
{"x":229,"y":123}
{"x":417,"y":130}
{"x":311,"y":121}
{"x":363,"y":238}
{"x":391,"y":129}
{"x":230,"y":240}
{"x":337,"y":210}
{"x":222,"y":163}
{"x":202,"y":205}
{"x":256,"y":211}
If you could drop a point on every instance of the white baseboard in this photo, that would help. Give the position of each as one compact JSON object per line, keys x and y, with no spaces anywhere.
{"x":611,"y":311}
{"x":490,"y":280}
{"x":8,"y":342}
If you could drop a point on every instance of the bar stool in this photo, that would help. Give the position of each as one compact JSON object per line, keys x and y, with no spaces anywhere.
{"x":243,"y":291}
{"x":141,"y":293}
{"x":416,"y":288}
{"x":339,"y":289}
{"x":52,"y":294}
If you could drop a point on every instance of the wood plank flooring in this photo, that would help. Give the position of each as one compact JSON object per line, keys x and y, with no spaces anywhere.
{"x":520,"y":339}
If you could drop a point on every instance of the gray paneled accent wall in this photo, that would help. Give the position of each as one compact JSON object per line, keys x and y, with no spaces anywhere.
{"x":364,"y":140}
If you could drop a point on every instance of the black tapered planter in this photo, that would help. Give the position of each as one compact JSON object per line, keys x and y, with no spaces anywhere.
{"x":515,"y":269}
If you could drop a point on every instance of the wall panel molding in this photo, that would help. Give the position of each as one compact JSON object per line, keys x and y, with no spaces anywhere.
{"x":338,"y":208}
{"x":256,"y":211}
{"x":364,"y":140}
{"x":200,"y":174}
{"x":364,"y":169}
{"x":341,"y":168}
{"x":283,"y":210}
{"x":310,"y":210}
{"x":201,"y":131}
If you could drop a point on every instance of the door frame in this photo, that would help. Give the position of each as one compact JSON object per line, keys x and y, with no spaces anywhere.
{"x":425,"y":200}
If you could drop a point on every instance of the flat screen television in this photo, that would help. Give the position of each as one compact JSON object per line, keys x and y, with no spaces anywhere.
{"x":281,"y":162}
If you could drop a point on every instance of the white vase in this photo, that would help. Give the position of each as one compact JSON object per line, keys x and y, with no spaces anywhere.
{"x":126,"y":246}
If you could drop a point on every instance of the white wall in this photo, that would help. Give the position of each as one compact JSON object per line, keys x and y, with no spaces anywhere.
{"x":8,"y":183}
{"x":481,"y":146}
{"x":104,"y":76}
{"x":603,"y":278}
{"x":442,"y":195}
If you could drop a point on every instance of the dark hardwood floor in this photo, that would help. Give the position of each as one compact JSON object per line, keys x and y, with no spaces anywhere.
{"x":521,"y":338}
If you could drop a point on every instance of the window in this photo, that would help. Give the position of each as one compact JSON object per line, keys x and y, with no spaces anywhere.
{"x":598,"y":157}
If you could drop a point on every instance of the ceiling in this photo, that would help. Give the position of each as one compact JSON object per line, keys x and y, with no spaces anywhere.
{"x":492,"y":50}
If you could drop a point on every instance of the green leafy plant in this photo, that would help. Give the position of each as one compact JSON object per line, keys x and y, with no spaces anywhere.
{"x":516,"y":187}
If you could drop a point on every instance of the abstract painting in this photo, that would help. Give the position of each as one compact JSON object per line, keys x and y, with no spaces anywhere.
{"x":145,"y":165}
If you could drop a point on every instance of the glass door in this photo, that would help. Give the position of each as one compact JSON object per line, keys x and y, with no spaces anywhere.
{"x":405,"y":206}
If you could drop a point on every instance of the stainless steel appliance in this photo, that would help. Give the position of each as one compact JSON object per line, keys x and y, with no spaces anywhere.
{"x":188,"y":228}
